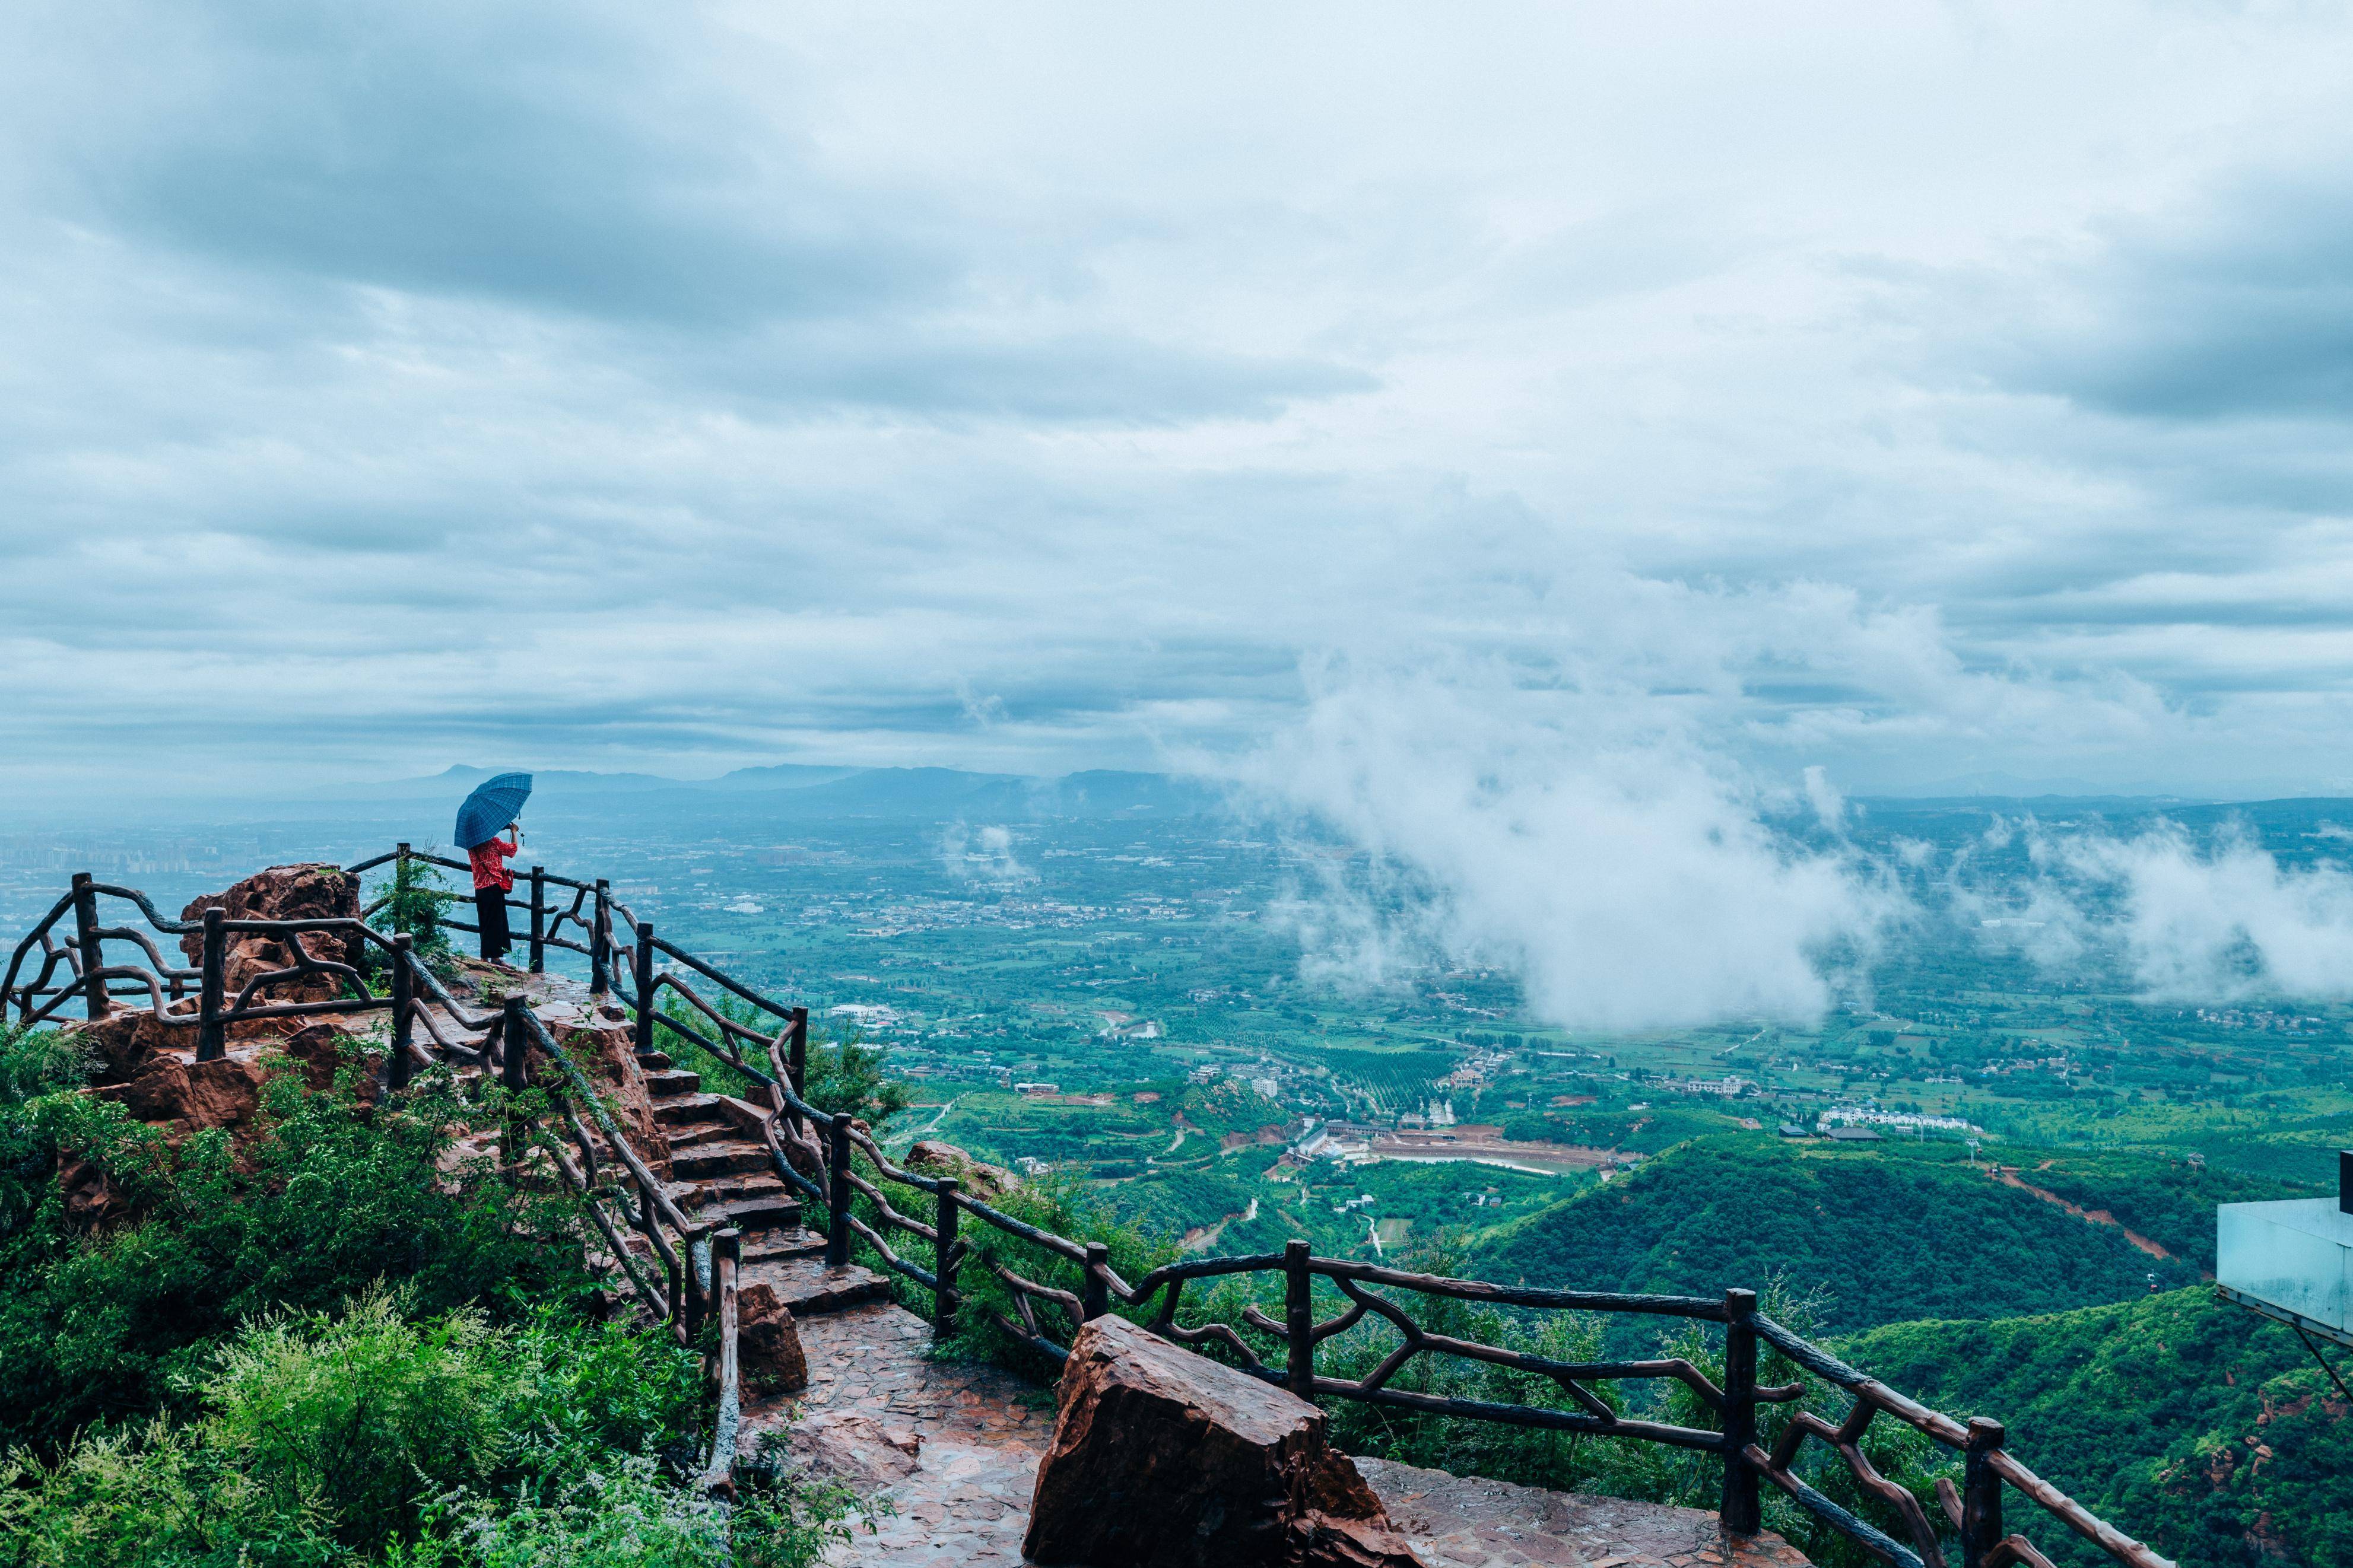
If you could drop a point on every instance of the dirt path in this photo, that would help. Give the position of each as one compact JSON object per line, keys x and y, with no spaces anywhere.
{"x":2009,"y":1177}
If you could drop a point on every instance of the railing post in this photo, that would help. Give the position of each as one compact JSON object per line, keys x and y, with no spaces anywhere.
{"x":645,"y":966}
{"x":726,"y":1261}
{"x":514,"y":1074}
{"x":837,"y":1227}
{"x":797,"y":1063}
{"x":93,"y":983}
{"x":397,"y":1064}
{"x":944,"y":1261}
{"x":1982,"y":1526}
{"x":514,"y":1048}
{"x":600,"y":941}
{"x":1740,"y":1513}
{"x":1094,"y":1296}
{"x":212,"y":1035}
{"x":697,"y":1301}
{"x":539,"y":920}
{"x":1299,"y":1320}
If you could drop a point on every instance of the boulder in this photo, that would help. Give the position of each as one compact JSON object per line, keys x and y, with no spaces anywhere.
{"x":974,"y":1178}
{"x":183,"y":1097}
{"x":126,"y":1038}
{"x":1163,"y":1459}
{"x":284,"y":893}
{"x":768,"y":1342}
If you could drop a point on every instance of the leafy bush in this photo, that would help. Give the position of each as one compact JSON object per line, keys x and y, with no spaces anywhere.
{"x":367,"y":1437}
{"x":415,"y":900}
{"x":324,"y":1200}
{"x":35,"y":1062}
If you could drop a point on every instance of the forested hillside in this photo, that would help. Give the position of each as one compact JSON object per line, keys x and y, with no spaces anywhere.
{"x":2202,"y":1429}
{"x":1886,"y":1238}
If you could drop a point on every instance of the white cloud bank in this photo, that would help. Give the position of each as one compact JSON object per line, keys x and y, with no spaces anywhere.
{"x":1621,"y":872}
{"x":2188,"y":922}
{"x":1606,"y":844}
{"x":983,"y":856}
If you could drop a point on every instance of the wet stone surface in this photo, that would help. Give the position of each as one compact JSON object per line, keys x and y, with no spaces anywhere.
{"x":954,"y":1449}
{"x":962,"y":1494}
{"x":1456,"y":1521}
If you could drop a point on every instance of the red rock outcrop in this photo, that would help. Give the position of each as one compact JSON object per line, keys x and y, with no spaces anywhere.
{"x":125,"y":1038}
{"x":1163,"y":1459}
{"x":974,"y":1178}
{"x":769,"y":1342}
{"x":604,"y":1048}
{"x":284,"y":893}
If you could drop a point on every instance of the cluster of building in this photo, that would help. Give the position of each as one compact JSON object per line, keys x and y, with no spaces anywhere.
{"x":1849,"y":1117}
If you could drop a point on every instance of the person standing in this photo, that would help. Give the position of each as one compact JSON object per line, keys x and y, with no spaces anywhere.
{"x":492,"y":882}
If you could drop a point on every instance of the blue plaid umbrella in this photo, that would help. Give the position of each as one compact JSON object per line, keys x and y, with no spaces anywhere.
{"x":494,"y":803}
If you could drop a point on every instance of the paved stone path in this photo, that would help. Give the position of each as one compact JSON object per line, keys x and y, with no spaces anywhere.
{"x":953,"y":1446}
{"x":954,"y":1449}
{"x":1458,"y":1522}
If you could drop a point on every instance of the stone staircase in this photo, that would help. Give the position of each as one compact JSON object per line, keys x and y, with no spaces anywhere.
{"x":708,"y":1153}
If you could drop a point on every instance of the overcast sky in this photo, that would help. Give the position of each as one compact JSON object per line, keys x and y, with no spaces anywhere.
{"x":1917,"y":392}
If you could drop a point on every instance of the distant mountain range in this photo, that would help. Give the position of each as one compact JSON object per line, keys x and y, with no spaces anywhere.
{"x":807,"y":791}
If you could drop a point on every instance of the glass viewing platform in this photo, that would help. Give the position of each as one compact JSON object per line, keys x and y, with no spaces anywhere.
{"x":2293,"y":1261}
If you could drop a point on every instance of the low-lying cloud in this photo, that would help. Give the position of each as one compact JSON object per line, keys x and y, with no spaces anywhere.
{"x":983,"y":856}
{"x":1624,"y":875}
{"x":2184,"y":919}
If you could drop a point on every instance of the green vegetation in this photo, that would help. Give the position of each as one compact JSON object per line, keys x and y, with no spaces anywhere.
{"x":2168,"y":1201}
{"x":96,"y":1326}
{"x":372,"y":1437}
{"x":1884,"y":1237}
{"x":209,"y":1369}
{"x":2206,"y":1430}
{"x":415,"y":899}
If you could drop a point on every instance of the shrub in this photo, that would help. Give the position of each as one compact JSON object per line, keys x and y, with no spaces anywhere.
{"x":324,"y":1200}
{"x":365,"y":1436}
{"x":415,"y":900}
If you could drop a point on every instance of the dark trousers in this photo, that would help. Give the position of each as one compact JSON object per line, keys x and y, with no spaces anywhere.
{"x":490,"y":914}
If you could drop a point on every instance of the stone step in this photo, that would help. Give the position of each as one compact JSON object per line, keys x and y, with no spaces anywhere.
{"x":809,"y":1289}
{"x":670,"y":1082}
{"x":689,"y":1134}
{"x":730,"y":1157}
{"x":654,"y":1061}
{"x":768,"y":1245}
{"x":686,"y":1108}
{"x":773,"y":1210}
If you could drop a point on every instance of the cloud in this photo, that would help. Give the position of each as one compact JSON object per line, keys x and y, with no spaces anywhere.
{"x":1624,"y":876}
{"x":2235,"y":304}
{"x":674,"y":392}
{"x":2222,"y":920}
{"x":983,"y":856}
{"x":2177,"y":916}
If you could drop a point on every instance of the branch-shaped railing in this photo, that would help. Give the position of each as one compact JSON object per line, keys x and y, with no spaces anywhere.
{"x":817,"y":1154}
